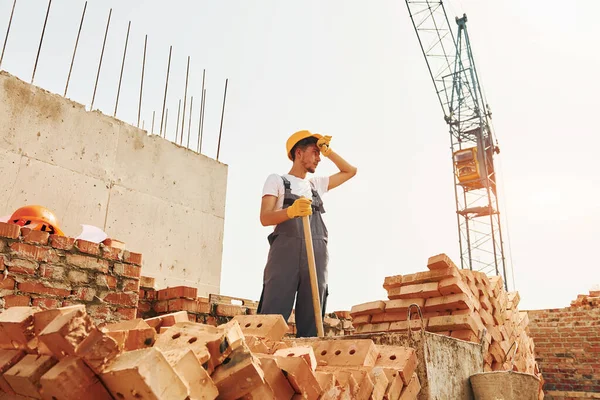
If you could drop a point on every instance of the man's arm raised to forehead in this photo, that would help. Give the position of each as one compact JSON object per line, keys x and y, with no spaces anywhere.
{"x":347,"y":171}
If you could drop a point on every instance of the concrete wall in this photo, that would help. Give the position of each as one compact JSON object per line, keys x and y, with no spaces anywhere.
{"x":163,"y":200}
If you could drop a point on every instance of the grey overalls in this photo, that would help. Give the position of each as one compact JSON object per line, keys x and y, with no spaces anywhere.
{"x":286,"y":271}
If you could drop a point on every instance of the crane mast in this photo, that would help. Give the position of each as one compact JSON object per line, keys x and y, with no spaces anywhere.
{"x":450,"y":62}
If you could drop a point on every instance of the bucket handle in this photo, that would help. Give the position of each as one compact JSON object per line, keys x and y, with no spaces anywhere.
{"x":420,"y":316}
{"x":512,"y":363}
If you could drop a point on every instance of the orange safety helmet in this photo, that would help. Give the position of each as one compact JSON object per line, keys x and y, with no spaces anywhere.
{"x":296,"y":137}
{"x":37,"y":218}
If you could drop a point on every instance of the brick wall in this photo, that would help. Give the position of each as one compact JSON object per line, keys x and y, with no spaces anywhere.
{"x":567,"y":345}
{"x":51,"y":271}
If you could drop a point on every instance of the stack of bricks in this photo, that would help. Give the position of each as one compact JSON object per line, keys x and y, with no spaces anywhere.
{"x":568,"y":347}
{"x":52,"y":271}
{"x":62,"y":354}
{"x":213,"y":310}
{"x":462,"y":304}
{"x":337,"y":323}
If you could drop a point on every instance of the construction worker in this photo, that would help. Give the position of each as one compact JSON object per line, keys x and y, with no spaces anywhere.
{"x":285,"y":199}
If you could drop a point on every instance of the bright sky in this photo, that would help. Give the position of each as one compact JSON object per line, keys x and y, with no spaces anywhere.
{"x":354,"y":70}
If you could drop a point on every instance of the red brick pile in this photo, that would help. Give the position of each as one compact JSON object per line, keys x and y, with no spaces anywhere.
{"x":463,"y":304}
{"x":53,"y":271}
{"x":62,"y":354}
{"x":217,"y":309}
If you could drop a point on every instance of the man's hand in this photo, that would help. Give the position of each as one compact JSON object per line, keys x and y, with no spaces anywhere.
{"x":323,"y":145}
{"x":300,"y":208}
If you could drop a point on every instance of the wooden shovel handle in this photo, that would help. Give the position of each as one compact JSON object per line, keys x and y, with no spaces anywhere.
{"x":312,"y":270}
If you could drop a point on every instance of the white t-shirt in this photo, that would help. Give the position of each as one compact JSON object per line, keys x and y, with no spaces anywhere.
{"x":300,"y":187}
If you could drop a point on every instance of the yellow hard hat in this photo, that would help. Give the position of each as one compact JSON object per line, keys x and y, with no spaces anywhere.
{"x":296,"y":137}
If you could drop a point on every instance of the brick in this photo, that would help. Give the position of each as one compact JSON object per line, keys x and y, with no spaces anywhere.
{"x":24,"y":377}
{"x":370,"y":308}
{"x":421,"y":290}
{"x":272,"y":327}
{"x":439,"y":261}
{"x":373,"y":328}
{"x":87,"y":262}
{"x":53,"y":289}
{"x":132,"y":258}
{"x":8,"y":358}
{"x":85,"y":293}
{"x":240,"y":376}
{"x":390,"y":282}
{"x":299,"y":375}
{"x":54,"y":272}
{"x":36,"y":237}
{"x":131,"y":335}
{"x":460,"y":301}
{"x":151,"y":294}
{"x":7,"y":283}
{"x":18,"y":266}
{"x":72,"y":379}
{"x":191,"y":372}
{"x":130,"y":285}
{"x":87,"y":247}
{"x":358,"y":352}
{"x":106,"y":281}
{"x":34,"y":253}
{"x":413,"y":324}
{"x":130,"y":271}
{"x":124,"y":299}
{"x":125,"y":313}
{"x":41,"y":319}
{"x":411,"y":391}
{"x":429,"y":276}
{"x":177,"y":292}
{"x":212,"y":344}
{"x":167,"y":320}
{"x":67,"y":331}
{"x":452,"y":323}
{"x":361,"y":320}
{"x":401,"y":305}
{"x":62,"y":242}
{"x":111,"y":253}
{"x":10,"y":231}
{"x":45,"y":303}
{"x":454,"y":285}
{"x":466,"y":334}
{"x":305,"y":352}
{"x":389,"y":317}
{"x":16,"y":301}
{"x":78,"y":277}
{"x":146,"y":372}
{"x":229,"y":310}
{"x":357,"y":381}
{"x":99,"y":312}
{"x":184,"y":305}
{"x":147,"y":282}
{"x":402,"y":359}
{"x":277,"y":382}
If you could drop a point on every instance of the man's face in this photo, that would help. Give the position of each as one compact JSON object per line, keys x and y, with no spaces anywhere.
{"x":310,"y":158}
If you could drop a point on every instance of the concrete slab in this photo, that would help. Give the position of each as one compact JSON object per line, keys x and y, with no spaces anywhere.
{"x":152,"y":165}
{"x":187,"y":242}
{"x":75,"y":199}
{"x":52,"y":129}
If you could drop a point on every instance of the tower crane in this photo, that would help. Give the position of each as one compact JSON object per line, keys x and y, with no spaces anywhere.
{"x":450,"y":62}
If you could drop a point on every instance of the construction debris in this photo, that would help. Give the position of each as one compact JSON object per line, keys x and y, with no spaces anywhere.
{"x":63,"y":354}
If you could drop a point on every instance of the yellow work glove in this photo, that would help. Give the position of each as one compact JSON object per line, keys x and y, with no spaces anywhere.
{"x":323,"y":145}
{"x":300,"y":208}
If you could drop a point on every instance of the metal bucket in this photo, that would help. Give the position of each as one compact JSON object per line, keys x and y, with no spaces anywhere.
{"x":505,"y":385}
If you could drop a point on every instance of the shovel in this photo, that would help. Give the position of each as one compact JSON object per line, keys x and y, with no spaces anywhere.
{"x":312,"y":271}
